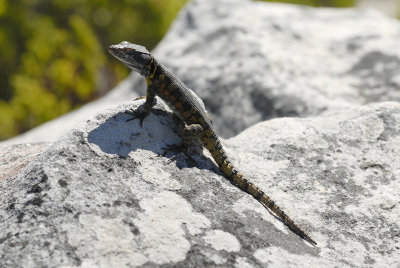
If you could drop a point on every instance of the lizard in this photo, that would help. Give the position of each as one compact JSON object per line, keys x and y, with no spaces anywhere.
{"x":186,"y":105}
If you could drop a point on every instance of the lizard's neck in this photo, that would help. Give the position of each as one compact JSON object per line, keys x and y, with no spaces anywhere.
{"x":155,"y":68}
{"x":159,"y":77}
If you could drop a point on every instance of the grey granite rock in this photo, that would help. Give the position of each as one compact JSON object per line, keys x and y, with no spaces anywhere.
{"x":15,"y":157}
{"x":105,"y":196}
{"x":253,"y":61}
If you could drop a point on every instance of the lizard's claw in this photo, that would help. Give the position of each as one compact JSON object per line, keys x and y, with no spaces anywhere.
{"x":177,"y":149}
{"x":136,"y":115}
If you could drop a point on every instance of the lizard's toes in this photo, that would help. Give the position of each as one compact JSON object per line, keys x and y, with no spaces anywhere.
{"x":136,"y":115}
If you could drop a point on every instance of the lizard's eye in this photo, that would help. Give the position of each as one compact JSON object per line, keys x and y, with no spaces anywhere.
{"x":143,"y":58}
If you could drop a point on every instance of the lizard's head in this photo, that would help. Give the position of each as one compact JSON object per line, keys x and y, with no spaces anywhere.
{"x":136,"y":57}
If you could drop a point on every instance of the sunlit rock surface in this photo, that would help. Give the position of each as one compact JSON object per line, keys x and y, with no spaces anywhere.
{"x":106,"y":194}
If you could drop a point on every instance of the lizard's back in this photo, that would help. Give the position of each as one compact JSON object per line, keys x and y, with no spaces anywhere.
{"x":182,"y":100}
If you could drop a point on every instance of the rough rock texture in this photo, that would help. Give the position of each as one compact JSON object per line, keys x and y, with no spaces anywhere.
{"x":252,"y":61}
{"x":104,"y":196}
{"x":14,"y":158}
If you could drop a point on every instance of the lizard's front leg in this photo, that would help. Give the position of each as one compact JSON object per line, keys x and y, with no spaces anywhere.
{"x":146,"y":108}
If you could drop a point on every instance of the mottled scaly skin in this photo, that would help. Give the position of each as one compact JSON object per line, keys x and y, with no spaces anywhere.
{"x":187,"y":107}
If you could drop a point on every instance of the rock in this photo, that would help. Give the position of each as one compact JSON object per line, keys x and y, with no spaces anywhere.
{"x":282,"y":60}
{"x":105,"y":196}
{"x":14,"y":158}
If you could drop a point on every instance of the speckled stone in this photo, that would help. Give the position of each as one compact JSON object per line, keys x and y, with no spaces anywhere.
{"x":106,"y":195}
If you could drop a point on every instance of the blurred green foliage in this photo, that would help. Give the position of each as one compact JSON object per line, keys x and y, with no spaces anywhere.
{"x":52,"y":52}
{"x":319,"y":3}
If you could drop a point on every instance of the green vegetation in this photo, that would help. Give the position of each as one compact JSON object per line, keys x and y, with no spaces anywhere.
{"x":320,"y":3}
{"x":52,"y":52}
{"x":53,"y":57}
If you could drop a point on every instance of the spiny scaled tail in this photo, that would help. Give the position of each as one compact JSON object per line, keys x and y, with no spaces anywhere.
{"x":226,"y":167}
{"x":266,"y":200}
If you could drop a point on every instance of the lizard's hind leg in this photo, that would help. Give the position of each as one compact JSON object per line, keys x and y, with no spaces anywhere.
{"x":189,"y":133}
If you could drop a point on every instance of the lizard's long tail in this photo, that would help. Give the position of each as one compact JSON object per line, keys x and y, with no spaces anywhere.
{"x":236,"y":178}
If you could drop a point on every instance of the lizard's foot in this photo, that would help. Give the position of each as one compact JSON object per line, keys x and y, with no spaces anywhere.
{"x":176,"y":149}
{"x":137,"y":115}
